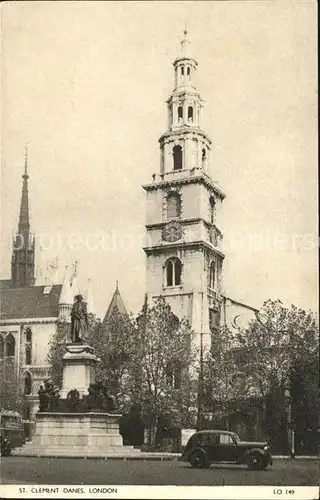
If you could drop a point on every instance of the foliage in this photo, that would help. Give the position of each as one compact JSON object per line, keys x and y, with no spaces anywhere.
{"x":11,"y":397}
{"x":159,"y":376}
{"x":305,"y":392}
{"x":280,"y":351}
{"x":57,"y":349}
{"x":113,"y":343}
{"x":274,"y":342}
{"x":223,"y":383}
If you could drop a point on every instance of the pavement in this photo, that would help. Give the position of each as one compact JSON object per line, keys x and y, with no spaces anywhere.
{"x":157,"y":456}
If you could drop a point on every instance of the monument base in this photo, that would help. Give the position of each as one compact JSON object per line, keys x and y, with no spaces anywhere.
{"x":76,"y":434}
{"x":72,"y":423}
{"x":78,"y":369}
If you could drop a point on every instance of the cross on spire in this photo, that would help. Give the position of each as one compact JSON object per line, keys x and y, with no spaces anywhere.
{"x":185,"y":31}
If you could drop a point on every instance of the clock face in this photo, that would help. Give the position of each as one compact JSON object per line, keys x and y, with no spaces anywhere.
{"x":172,"y":231}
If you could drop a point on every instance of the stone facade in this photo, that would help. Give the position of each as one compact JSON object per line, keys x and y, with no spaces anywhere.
{"x":183,"y":240}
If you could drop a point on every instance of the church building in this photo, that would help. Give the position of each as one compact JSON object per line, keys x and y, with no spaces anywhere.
{"x":184,"y":205}
{"x":30,"y":312}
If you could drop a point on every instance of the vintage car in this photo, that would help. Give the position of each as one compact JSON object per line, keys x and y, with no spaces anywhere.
{"x":5,"y":447}
{"x":11,"y":429}
{"x":216,"y":446}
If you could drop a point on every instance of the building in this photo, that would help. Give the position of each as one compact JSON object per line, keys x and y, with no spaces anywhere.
{"x":184,"y":250}
{"x":30,"y":312}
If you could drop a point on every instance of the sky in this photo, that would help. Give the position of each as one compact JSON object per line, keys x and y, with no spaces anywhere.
{"x":85,"y":84}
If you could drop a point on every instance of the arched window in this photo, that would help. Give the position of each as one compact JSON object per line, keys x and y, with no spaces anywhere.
{"x":182,"y":70}
{"x":188,"y":71}
{"x":190,"y":113}
{"x":173,"y":271}
{"x":27,"y":383}
{"x":204,"y":157}
{"x":1,"y":347}
{"x":173,"y":205}
{"x":212,"y":277}
{"x":10,"y":345}
{"x":177,"y":158}
{"x":212,"y":210}
{"x":180,"y":114}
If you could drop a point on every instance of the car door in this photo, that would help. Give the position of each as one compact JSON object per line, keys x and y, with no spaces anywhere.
{"x":227,"y":448}
{"x":211,"y":445}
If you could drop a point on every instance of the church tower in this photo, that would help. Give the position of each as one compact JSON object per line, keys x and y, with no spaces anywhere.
{"x":183,"y":249}
{"x":23,"y":253}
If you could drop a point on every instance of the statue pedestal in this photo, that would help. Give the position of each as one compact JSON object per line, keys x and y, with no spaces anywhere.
{"x":73,"y":433}
{"x":78,"y":369}
{"x":90,"y":434}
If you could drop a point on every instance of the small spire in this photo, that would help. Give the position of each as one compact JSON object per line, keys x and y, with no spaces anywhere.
{"x":89,"y":298}
{"x":66,"y":297}
{"x":25,"y":175}
{"x":116,"y":303}
{"x":185,"y":42}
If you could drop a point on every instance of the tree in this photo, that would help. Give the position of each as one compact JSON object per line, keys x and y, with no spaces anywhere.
{"x":159,"y":374}
{"x":11,"y":397}
{"x":114,"y":344}
{"x":223,"y":383}
{"x":275,"y":345}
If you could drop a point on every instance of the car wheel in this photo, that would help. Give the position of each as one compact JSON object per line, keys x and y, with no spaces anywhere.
{"x":256,"y":462}
{"x":198,"y":460}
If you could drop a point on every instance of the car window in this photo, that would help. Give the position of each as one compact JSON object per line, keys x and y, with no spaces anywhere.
{"x":226,"y":439}
{"x":214,"y":439}
{"x":194,"y":440}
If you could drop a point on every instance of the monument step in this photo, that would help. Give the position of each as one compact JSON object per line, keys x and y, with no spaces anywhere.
{"x":73,"y":451}
{"x":133,"y":454}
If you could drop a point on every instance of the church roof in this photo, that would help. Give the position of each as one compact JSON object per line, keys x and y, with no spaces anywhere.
{"x":30,"y":302}
{"x":116,"y":303}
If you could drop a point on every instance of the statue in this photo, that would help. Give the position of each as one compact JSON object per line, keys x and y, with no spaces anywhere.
{"x":43,"y":404}
{"x":79,"y":320}
{"x":73,"y":398}
{"x":48,"y":397}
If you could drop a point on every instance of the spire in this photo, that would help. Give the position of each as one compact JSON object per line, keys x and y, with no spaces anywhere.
{"x":66,"y":299}
{"x":89,"y":298}
{"x":66,"y":296}
{"x":24,"y":223}
{"x":73,"y":280}
{"x":23,"y":255}
{"x":184,"y":146}
{"x":116,"y":303}
{"x":185,"y":43}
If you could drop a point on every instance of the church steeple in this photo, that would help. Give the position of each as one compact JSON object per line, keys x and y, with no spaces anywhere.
{"x":184,"y":205}
{"x":23,"y":254}
{"x":24,"y":223}
{"x":184,"y":146}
